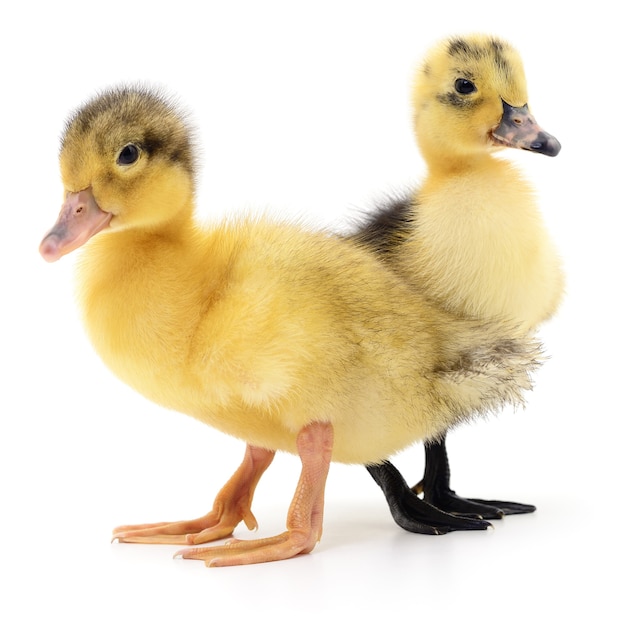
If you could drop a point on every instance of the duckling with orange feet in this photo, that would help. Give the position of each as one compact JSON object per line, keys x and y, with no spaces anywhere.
{"x":284,"y":337}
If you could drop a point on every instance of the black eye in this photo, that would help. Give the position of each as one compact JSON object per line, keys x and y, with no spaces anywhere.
{"x":128,"y":155}
{"x":464,"y":86}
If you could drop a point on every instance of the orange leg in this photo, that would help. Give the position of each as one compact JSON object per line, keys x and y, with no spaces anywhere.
{"x":305,"y":517}
{"x":231,"y":506}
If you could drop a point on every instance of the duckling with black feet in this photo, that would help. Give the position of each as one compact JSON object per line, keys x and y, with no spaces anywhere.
{"x":471,"y":238}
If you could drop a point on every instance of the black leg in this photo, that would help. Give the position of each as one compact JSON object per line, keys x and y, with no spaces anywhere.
{"x":436,"y":490}
{"x":412,"y":513}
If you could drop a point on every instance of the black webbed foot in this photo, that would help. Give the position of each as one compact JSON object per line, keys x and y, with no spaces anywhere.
{"x":411,"y":512}
{"x":447,"y":500}
{"x":437,"y":492}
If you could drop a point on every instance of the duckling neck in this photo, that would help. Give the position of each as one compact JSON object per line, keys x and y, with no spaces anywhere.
{"x":483,"y":182}
{"x":460,"y":164}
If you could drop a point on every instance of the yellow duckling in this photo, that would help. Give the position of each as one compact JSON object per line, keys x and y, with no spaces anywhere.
{"x":286,"y":338}
{"x":471,"y":238}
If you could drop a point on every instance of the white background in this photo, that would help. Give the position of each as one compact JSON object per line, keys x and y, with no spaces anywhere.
{"x":302,"y":108}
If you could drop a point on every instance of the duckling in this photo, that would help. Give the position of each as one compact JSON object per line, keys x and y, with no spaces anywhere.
{"x":284,"y":337}
{"x":471,"y":238}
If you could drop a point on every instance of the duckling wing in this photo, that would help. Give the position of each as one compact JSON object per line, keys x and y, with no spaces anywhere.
{"x":384,"y":229}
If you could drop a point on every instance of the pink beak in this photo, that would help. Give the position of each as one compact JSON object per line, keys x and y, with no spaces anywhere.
{"x":80,"y":218}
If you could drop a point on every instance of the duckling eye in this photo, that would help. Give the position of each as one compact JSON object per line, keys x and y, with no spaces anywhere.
{"x":128,"y":155}
{"x":464,"y":86}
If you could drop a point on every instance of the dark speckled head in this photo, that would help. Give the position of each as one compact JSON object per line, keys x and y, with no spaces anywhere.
{"x":484,"y":62}
{"x":124,"y":115}
{"x":493,"y":50}
{"x":459,"y":96}
{"x":133,"y":149}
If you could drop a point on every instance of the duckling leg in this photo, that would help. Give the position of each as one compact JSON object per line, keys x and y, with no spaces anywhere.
{"x":305,"y":517}
{"x":411,"y":512}
{"x":436,"y":489}
{"x":231,"y":506}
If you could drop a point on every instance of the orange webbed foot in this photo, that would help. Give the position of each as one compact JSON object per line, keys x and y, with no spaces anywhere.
{"x":305,"y":518}
{"x":210,"y":527}
{"x":246,"y":552}
{"x":232,"y":506}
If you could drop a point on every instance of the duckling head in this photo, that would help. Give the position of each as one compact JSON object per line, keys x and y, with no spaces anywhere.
{"x":126,"y":162}
{"x":470,"y":98}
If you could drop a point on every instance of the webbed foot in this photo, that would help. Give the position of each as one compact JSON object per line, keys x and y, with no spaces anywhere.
{"x":232,"y":505}
{"x":436,"y":490}
{"x":414,"y":514}
{"x":447,"y":500}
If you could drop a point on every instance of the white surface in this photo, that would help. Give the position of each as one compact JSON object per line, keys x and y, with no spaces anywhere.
{"x":303,"y":108}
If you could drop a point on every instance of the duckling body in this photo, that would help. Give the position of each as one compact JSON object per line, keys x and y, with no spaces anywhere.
{"x":480,"y":246}
{"x":276,"y":312}
{"x":471,"y":238}
{"x":286,"y":338}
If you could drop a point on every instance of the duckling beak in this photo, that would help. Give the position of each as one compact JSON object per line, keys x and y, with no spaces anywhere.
{"x":518,"y":129}
{"x":80,"y":218}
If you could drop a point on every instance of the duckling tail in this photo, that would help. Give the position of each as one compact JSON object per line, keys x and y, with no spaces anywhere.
{"x":487,"y":374}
